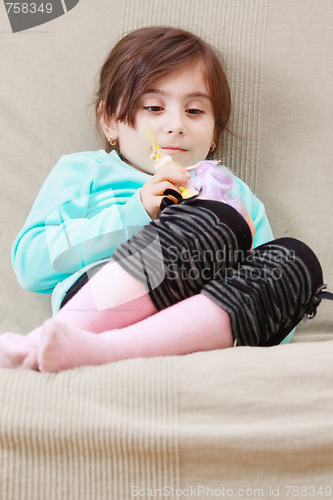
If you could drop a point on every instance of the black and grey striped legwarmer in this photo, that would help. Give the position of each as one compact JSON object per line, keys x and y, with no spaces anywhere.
{"x":189,"y":245}
{"x":270,"y":292}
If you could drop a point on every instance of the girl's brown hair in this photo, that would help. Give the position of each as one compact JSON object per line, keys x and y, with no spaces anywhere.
{"x":143,"y":56}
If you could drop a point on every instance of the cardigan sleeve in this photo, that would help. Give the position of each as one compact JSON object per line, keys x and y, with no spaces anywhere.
{"x":256,"y":209}
{"x":62,"y":236}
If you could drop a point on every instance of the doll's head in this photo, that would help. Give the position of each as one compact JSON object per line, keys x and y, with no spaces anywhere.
{"x":215,"y":183}
{"x":146,"y":55}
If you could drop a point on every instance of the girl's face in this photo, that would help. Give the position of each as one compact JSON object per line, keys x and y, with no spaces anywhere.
{"x":179,"y":109}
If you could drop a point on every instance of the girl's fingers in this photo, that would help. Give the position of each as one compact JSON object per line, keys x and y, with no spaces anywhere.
{"x":161,"y":187}
{"x":191,"y":167}
{"x":174,"y":174}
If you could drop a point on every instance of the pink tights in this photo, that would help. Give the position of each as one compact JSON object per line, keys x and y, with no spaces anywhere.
{"x":118,"y":308}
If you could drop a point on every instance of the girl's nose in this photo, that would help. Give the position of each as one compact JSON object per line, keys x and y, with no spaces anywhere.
{"x":175,"y":124}
{"x":176,"y":130}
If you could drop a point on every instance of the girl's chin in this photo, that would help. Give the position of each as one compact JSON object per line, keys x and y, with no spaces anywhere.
{"x":147,"y":169}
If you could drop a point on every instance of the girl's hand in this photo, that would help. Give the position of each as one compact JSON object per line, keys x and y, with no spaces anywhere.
{"x":169,"y":176}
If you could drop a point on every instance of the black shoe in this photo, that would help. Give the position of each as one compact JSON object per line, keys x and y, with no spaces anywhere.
{"x":277,"y":285}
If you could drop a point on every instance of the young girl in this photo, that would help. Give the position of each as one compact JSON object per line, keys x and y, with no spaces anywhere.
{"x":188,"y":280}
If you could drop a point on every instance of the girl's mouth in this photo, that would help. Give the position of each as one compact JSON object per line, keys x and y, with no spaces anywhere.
{"x":174,"y":149}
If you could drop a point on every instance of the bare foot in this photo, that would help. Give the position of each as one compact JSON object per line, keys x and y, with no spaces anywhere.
{"x":18,"y":352}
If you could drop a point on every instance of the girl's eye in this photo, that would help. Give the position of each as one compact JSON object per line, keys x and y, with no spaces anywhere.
{"x":153,"y":109}
{"x":194,"y":111}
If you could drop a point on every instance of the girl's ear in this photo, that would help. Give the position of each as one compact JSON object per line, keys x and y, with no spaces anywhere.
{"x":215,"y":136}
{"x":107,"y":124}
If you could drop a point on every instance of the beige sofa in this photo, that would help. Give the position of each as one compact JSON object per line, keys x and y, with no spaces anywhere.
{"x":251,"y":419}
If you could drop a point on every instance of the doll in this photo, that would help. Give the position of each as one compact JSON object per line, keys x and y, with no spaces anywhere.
{"x":210,"y":182}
